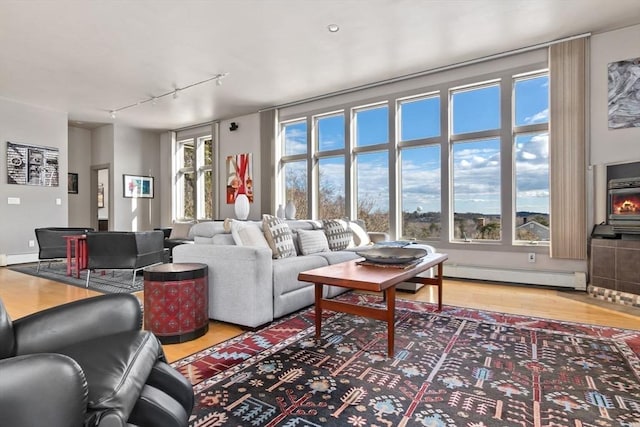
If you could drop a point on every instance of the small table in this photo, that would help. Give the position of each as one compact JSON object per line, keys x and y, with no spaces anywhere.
{"x":176,"y":301}
{"x":77,"y":253}
{"x":370,"y":278}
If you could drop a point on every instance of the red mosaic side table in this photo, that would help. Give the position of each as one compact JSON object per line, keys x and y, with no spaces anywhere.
{"x":176,"y":301}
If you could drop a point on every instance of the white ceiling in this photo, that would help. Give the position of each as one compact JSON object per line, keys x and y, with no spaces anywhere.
{"x":89,"y":57}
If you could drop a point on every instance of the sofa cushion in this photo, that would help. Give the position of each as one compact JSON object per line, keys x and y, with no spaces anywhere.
{"x":338,"y":233}
{"x":279,"y":237}
{"x":360,"y":236}
{"x":180,"y":230}
{"x":312,"y":241}
{"x":248,"y":234}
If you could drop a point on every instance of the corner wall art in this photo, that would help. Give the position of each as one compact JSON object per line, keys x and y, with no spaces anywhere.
{"x":239,"y":177}
{"x":624,"y":94}
{"x":32,"y":165}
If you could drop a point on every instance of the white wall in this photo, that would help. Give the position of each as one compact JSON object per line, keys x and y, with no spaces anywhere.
{"x":136,"y":152}
{"x":26,"y":124}
{"x":609,"y":146}
{"x":79,"y":162}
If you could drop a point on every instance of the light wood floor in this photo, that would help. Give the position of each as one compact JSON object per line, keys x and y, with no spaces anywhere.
{"x":23,"y":294}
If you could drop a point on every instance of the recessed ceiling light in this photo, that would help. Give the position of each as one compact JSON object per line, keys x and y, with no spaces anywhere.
{"x":333,"y":28}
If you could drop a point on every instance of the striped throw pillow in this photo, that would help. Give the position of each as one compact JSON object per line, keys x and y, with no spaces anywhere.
{"x":279,"y":236}
{"x":337,"y":232}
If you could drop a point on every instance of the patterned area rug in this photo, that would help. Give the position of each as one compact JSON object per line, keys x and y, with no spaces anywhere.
{"x":108,"y":282}
{"x":461,"y":367}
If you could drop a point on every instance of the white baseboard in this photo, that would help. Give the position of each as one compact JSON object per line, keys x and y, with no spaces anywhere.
{"x":21,"y":259}
{"x":574,"y":280}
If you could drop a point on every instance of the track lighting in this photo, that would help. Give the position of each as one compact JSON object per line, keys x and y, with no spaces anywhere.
{"x":154,"y":99}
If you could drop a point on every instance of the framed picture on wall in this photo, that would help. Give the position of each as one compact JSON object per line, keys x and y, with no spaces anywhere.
{"x":101,"y":195}
{"x":72,"y":183}
{"x":136,"y":186}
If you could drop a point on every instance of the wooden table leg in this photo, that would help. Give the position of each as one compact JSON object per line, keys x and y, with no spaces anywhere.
{"x":69,"y":257}
{"x":318,"y":307}
{"x":439,"y":278}
{"x":390,"y":295}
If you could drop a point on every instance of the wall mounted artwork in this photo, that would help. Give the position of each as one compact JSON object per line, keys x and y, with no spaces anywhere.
{"x":72,"y":183}
{"x":32,"y":165}
{"x":239,"y":177}
{"x":135,"y":186}
{"x":624,"y":94}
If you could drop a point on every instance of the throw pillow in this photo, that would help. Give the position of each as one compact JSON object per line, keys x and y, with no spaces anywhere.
{"x":360,"y":236}
{"x":248,"y":234}
{"x":337,"y":232}
{"x":312,"y":242}
{"x":180,"y":230}
{"x":279,"y":236}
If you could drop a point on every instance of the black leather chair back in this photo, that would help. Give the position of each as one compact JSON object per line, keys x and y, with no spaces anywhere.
{"x":51,"y":242}
{"x":112,"y":249}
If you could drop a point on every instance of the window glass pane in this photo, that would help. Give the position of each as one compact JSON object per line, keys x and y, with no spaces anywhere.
{"x":330,"y":132}
{"x":420,"y":118}
{"x":208,"y":152}
{"x":475,"y":110}
{"x":532,"y":100}
{"x":295,"y":138}
{"x":372,"y":126}
{"x":206,"y":199}
{"x":296,"y":188}
{"x":188,"y":191}
{"x":373,"y":190}
{"x":331,"y":195}
{"x":188,"y":154}
{"x":421,"y":192}
{"x":476,"y":189}
{"x":532,"y":187}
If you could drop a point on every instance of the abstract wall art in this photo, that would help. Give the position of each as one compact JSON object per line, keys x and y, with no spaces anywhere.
{"x":624,"y":94}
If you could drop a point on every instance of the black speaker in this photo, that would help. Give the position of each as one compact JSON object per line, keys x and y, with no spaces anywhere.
{"x":234,"y":126}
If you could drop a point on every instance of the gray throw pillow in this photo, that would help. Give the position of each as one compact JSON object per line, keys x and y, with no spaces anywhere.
{"x":279,"y":236}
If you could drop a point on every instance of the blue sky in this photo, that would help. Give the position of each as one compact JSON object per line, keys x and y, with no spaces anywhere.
{"x":475,"y":164}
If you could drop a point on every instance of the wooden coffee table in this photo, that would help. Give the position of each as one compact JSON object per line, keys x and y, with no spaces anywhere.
{"x":371,"y":278}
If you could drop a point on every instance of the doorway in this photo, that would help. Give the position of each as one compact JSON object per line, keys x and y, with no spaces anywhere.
{"x":100,"y":207}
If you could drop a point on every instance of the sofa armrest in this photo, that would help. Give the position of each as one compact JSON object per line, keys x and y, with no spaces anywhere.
{"x":378,"y":236}
{"x":240,"y":281}
{"x":57,"y":327}
{"x":42,"y":389}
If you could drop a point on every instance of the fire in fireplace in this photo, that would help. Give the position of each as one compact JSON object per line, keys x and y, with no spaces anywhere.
{"x":624,"y":204}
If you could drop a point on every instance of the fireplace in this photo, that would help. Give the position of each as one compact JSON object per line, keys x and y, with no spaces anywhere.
{"x":624,"y":205}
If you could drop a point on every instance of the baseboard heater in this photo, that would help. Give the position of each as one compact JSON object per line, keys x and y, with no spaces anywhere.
{"x":557,"y":279}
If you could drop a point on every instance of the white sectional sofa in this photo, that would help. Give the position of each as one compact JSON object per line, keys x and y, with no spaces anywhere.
{"x":246,"y":285}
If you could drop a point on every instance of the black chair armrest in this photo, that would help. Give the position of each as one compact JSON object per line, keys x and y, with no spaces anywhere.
{"x":57,"y":327}
{"x":42,"y":389}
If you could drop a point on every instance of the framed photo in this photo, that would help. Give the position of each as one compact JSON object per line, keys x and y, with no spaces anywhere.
{"x":101,"y":195}
{"x":72,"y":183}
{"x":138,"y":186}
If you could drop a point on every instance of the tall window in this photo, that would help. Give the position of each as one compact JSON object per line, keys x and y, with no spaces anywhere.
{"x":331,"y":165}
{"x":371,"y":142}
{"x":194,"y":178}
{"x":294,"y":165}
{"x":186,"y":180}
{"x":420,"y":185}
{"x":475,"y":135}
{"x":531,"y":151}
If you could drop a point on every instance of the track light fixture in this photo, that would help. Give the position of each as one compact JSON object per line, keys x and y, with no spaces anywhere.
{"x":154,"y":99}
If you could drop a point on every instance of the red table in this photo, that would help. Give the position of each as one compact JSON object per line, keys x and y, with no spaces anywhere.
{"x":77,"y":254}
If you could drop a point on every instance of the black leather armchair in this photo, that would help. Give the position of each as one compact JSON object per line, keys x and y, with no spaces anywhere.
{"x":87,"y":363}
{"x":124,"y":250}
{"x":51,"y":242}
